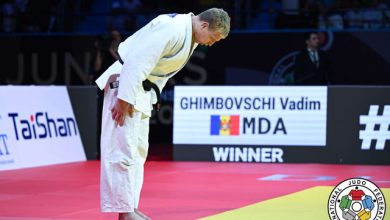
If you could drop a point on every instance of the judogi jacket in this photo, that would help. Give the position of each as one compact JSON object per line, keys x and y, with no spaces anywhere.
{"x":155,"y":52}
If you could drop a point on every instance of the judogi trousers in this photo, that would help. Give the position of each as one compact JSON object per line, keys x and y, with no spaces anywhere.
{"x":123,"y":154}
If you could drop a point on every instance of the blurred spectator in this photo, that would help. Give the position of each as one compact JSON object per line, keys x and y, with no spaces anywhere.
{"x":312,"y":9}
{"x":124,"y":15}
{"x":373,"y":16}
{"x":335,"y":20}
{"x":36,"y":17}
{"x":9,"y":14}
{"x":53,"y":18}
{"x":331,"y":15}
{"x":241,"y":11}
{"x":290,"y":15}
{"x":118,"y":18}
{"x":312,"y":65}
{"x":132,"y":6}
{"x":290,"y":7}
{"x":21,"y":5}
{"x":106,"y":53}
{"x":353,"y":16}
{"x":384,"y":7}
{"x":129,"y":15}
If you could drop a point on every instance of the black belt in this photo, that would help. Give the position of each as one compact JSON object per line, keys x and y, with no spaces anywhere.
{"x":147,"y":85}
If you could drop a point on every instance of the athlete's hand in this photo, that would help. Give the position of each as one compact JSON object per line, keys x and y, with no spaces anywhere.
{"x":120,"y":110}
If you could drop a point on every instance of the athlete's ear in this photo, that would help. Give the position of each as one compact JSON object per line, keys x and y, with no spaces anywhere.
{"x":204,"y":25}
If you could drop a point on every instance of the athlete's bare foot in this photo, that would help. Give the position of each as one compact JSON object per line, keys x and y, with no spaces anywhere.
{"x":143,"y":216}
{"x":129,"y":216}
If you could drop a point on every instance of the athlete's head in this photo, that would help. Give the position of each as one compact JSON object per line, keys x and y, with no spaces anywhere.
{"x":210,"y":26}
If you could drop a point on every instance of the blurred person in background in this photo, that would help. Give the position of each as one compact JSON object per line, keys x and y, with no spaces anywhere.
{"x":311,"y":11}
{"x":353,"y":16}
{"x":384,"y":7}
{"x":147,"y":60}
{"x":373,"y":16}
{"x":118,"y":17}
{"x":9,"y":14}
{"x":312,"y":65}
{"x":124,"y":14}
{"x":290,"y":15}
{"x":106,"y":52}
{"x":335,"y":14}
{"x":36,"y":18}
{"x":242,"y":10}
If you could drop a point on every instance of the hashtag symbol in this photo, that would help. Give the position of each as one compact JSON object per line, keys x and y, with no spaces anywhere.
{"x":376,"y":128}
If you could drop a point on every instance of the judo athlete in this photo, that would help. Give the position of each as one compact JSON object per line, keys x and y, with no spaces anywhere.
{"x":147,"y":59}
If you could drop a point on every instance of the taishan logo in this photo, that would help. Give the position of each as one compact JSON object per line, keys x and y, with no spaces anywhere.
{"x":40,"y":126}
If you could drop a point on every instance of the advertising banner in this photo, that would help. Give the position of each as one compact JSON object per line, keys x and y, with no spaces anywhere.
{"x":335,"y":124}
{"x":37,"y":127}
{"x":294,"y":116}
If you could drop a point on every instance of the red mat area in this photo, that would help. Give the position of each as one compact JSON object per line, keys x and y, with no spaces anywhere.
{"x":172,"y":190}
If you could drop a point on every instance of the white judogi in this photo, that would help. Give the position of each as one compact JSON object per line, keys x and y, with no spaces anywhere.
{"x":155,"y":52}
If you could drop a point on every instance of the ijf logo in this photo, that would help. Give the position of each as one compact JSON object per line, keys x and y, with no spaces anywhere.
{"x":356,"y":199}
{"x":377,"y":128}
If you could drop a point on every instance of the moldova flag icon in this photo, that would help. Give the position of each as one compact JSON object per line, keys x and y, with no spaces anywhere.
{"x":225,"y":125}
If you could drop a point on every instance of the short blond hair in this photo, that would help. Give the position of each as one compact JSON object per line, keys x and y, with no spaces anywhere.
{"x":218,"y":20}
